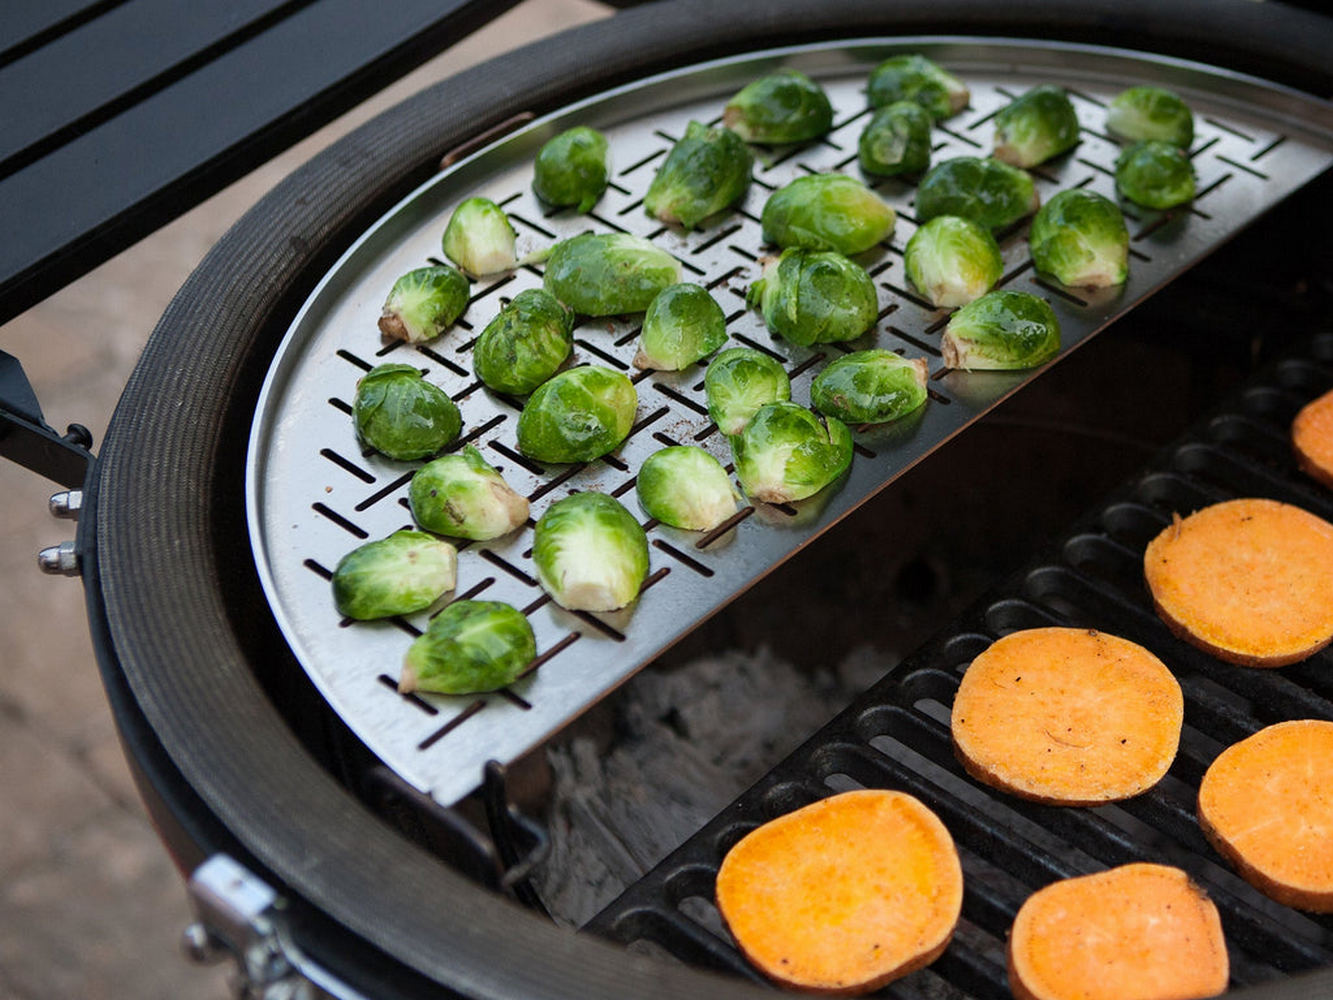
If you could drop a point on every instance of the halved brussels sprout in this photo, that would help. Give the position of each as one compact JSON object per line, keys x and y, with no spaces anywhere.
{"x":685,"y":487}
{"x":952,"y":260}
{"x":988,"y":192}
{"x":468,"y":648}
{"x":604,"y":274}
{"x":1080,"y":238}
{"x":895,"y":141}
{"x":578,"y":415}
{"x":915,"y":78}
{"x":683,"y":324}
{"x":870,"y":387}
{"x":1001,"y":331}
{"x":590,"y":553}
{"x":1151,"y":113}
{"x":706,"y":171}
{"x":572,"y":169}
{"x":786,"y":106}
{"x":463,"y":496}
{"x":815,"y":297}
{"x":525,"y":344}
{"x":738,"y":382}
{"x":787,"y":453}
{"x":406,"y":572}
{"x":423,"y":304}
{"x":401,"y":415}
{"x":479,"y":238}
{"x":827,"y":212}
{"x":1155,"y":174}
{"x":1036,"y":126}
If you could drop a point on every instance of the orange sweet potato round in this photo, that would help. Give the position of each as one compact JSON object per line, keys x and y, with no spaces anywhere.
{"x":1067,"y":717}
{"x":1250,"y":581}
{"x":1137,"y":932}
{"x":1312,"y":438}
{"x":845,"y":894}
{"x":1266,"y":805}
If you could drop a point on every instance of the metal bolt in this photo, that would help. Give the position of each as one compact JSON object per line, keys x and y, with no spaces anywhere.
{"x":59,"y":560}
{"x":200,"y":946}
{"x":66,"y":504}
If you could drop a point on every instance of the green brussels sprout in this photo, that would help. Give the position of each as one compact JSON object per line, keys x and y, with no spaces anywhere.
{"x":590,"y":553}
{"x":1001,"y":331}
{"x":988,"y":192}
{"x":895,"y":141}
{"x":572,"y":169}
{"x":870,"y":387}
{"x":827,"y":212}
{"x":706,"y":171}
{"x":1150,"y":113}
{"x":406,"y":572}
{"x":917,"y":79}
{"x":604,"y":274}
{"x":1080,"y":238}
{"x":401,"y":415}
{"x":1155,"y":174}
{"x":685,"y":487}
{"x":479,"y":238}
{"x":468,"y":648}
{"x":525,"y":344}
{"x":463,"y":496}
{"x":578,"y":415}
{"x":738,"y":382}
{"x":952,"y":260}
{"x":787,"y":453}
{"x":815,"y":297}
{"x":683,"y":324}
{"x":786,"y":106}
{"x":423,"y":304}
{"x":1036,"y":126}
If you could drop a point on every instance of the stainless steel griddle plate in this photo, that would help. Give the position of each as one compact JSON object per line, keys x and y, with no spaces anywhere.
{"x":313,"y":493}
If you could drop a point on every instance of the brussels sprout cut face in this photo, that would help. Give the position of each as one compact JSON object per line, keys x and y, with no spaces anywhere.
{"x":827,"y":212}
{"x":607,"y":274}
{"x":1151,"y":113}
{"x":738,"y":382}
{"x":685,"y":487}
{"x":463,"y":496}
{"x":895,"y":141}
{"x":469,"y":647}
{"x":423,"y":304}
{"x":1001,"y":331}
{"x":590,"y":553}
{"x":406,"y":572}
{"x":1080,"y":238}
{"x":706,"y":171}
{"x":786,"y":106}
{"x":401,"y":415}
{"x":572,"y":169}
{"x":1036,"y":126}
{"x":479,"y":238}
{"x":578,"y":415}
{"x":952,"y":261}
{"x":990,"y":193}
{"x":525,"y":344}
{"x":915,"y":78}
{"x":683,"y":324}
{"x":1155,"y":174}
{"x":870,"y":387}
{"x":787,"y":453}
{"x":814,"y":297}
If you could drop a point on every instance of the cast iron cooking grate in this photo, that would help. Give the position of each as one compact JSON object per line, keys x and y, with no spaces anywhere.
{"x":896,"y":735}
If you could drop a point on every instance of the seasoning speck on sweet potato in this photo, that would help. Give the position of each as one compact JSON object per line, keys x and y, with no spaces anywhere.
{"x":1067,"y":717}
{"x":1250,"y":581}
{"x":845,"y":894}
{"x":1137,"y":932}
{"x":1266,"y":805}
{"x":1312,"y":438}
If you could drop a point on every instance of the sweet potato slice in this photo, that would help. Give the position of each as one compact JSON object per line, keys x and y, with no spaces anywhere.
{"x":1137,"y":932}
{"x":1312,"y":438}
{"x":1250,"y":581}
{"x":1067,"y":717}
{"x":845,"y":894}
{"x":1266,"y":805}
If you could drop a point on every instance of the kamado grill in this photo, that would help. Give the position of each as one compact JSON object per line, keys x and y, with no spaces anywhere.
{"x":364,"y":840}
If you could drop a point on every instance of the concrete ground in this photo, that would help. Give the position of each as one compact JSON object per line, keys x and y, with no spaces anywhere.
{"x":90,"y":906}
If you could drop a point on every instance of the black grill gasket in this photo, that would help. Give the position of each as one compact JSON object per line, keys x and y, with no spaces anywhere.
{"x":896,"y":735}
